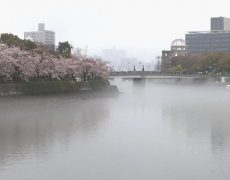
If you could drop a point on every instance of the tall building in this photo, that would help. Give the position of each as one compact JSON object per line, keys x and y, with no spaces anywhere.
{"x":114,"y":56}
{"x":42,"y":36}
{"x":215,"y":40}
{"x":220,"y":23}
{"x":128,"y":64}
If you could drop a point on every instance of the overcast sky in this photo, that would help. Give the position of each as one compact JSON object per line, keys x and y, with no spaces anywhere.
{"x":142,"y":27}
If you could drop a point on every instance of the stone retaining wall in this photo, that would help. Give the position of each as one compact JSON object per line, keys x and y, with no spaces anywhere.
{"x":51,"y":87}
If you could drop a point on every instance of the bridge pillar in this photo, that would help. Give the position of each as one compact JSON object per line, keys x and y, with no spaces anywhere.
{"x":138,"y":82}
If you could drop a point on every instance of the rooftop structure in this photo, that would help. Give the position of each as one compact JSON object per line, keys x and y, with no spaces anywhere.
{"x":210,"y":32}
{"x":220,"y":23}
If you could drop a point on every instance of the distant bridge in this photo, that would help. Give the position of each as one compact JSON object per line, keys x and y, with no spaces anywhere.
{"x":155,"y":75}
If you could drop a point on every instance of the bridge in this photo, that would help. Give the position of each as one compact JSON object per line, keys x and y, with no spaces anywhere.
{"x":155,"y":75}
{"x":140,"y":77}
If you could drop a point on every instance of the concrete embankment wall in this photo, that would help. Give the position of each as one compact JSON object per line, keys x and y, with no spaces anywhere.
{"x":176,"y":80}
{"x":51,"y":87}
{"x":10,"y":89}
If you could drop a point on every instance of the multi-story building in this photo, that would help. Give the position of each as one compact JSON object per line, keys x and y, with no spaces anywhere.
{"x":216,"y":40}
{"x":207,"y":41}
{"x":128,"y":64}
{"x":114,"y":56}
{"x":220,"y":23}
{"x":42,"y":36}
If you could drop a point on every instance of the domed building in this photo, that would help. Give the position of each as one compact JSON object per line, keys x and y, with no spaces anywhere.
{"x":178,"y":48}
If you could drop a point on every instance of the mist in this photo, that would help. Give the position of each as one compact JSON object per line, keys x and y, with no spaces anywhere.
{"x":152,"y":130}
{"x":146,"y":27}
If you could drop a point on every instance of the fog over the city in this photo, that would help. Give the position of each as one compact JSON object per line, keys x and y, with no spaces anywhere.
{"x":142,"y":27}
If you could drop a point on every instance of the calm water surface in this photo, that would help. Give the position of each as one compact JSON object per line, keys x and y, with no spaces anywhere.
{"x":151,"y":131}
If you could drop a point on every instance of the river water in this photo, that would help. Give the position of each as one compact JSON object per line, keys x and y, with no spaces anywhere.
{"x":150,"y":131}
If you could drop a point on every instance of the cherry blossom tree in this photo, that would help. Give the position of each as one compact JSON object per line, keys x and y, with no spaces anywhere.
{"x":20,"y":65}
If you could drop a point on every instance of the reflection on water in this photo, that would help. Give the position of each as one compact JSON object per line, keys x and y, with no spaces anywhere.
{"x":200,"y":113}
{"x":151,"y":131}
{"x":33,"y":124}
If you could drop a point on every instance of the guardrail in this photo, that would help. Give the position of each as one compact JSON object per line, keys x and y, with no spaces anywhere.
{"x":153,"y":73}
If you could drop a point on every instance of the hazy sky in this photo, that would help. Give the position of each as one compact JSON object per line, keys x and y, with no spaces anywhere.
{"x":142,"y":27}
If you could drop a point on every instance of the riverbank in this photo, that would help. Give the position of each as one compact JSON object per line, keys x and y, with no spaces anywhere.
{"x":55,"y":87}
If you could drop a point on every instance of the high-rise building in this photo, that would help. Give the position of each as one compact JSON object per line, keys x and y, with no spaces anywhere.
{"x":114,"y":56}
{"x":128,"y":64}
{"x":216,"y":40}
{"x":220,"y":23}
{"x":42,"y":36}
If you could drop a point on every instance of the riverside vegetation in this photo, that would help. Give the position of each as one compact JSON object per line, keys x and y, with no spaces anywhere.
{"x":212,"y":64}
{"x":31,"y":68}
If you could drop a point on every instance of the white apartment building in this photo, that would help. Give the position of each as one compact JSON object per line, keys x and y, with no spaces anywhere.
{"x":45,"y":37}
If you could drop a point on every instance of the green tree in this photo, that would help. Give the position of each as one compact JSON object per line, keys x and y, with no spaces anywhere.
{"x":28,"y":45}
{"x":12,"y":40}
{"x":224,"y":64}
{"x":64,"y":49}
{"x":211,"y":63}
{"x":176,"y":69}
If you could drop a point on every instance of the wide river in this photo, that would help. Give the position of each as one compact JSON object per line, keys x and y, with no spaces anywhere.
{"x":150,"y":131}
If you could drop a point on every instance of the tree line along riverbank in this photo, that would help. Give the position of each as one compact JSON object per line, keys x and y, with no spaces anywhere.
{"x":27,"y":67}
{"x":211,"y":64}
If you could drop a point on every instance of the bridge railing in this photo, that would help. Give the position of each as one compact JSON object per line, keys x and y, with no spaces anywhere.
{"x":154,"y":73}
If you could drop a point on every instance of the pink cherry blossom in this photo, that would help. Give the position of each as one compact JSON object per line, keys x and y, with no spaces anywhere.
{"x":19,"y":65}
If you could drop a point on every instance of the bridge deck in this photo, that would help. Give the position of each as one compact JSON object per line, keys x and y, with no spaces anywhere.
{"x":154,"y":75}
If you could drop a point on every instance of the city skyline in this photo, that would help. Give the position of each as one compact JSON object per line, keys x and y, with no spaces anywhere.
{"x":142,"y":28}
